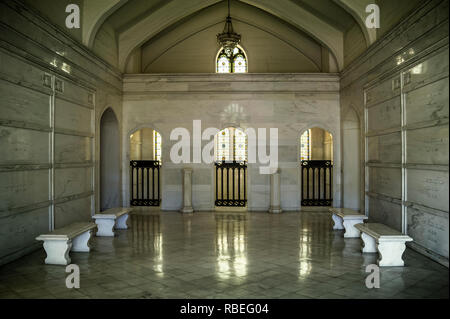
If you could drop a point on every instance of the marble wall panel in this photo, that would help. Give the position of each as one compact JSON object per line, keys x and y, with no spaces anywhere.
{"x":203,"y":176}
{"x":20,"y":230}
{"x":428,"y":188}
{"x":385,"y":212}
{"x":172,"y":176}
{"x":290,"y":176}
{"x":78,"y":210}
{"x":72,"y":149}
{"x":290,"y":197}
{"x":289,"y":153}
{"x":75,"y":93}
{"x":22,"y":146}
{"x":19,"y":103}
{"x":431,"y":69}
{"x":202,"y":197}
{"x":429,"y":230}
{"x":385,"y":148}
{"x":260,"y":198}
{"x":19,"y":71}
{"x":71,"y":116}
{"x":427,"y":145}
{"x":383,"y":91}
{"x":72,"y":181}
{"x":21,"y":188}
{"x":171,"y":197}
{"x":386,"y":181}
{"x":386,"y":115}
{"x":427,"y":103}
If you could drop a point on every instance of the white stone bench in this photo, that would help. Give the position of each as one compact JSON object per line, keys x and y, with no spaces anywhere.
{"x":389,"y":243}
{"x":345,"y":218}
{"x":108,"y":220}
{"x":60,"y":242}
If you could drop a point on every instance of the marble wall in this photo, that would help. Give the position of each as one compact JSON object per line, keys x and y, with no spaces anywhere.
{"x":291,"y":103}
{"x":52,"y":92}
{"x":399,"y":88}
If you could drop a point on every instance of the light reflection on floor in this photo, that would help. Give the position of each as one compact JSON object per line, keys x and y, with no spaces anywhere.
{"x":224,"y":255}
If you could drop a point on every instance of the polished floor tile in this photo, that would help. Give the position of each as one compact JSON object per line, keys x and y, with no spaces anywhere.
{"x":224,"y":255}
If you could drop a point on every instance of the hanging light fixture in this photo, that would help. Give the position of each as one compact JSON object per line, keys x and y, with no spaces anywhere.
{"x":228,"y":39}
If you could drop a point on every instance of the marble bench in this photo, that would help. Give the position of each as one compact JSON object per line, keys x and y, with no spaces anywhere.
{"x":389,"y":243}
{"x":345,"y":218}
{"x":58,"y":243}
{"x":108,"y":220}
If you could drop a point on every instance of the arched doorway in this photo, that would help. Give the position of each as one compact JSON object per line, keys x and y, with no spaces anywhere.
{"x":230,"y":153}
{"x":145,"y":167}
{"x":109,"y":161}
{"x":316,"y":158}
{"x":351,"y":155}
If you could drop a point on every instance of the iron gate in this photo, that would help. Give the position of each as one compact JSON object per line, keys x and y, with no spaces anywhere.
{"x":145,"y":183}
{"x":231,"y":184}
{"x":317,"y":183}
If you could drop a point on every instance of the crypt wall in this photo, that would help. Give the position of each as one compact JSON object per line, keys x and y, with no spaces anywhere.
{"x":399,"y":90}
{"x":53,"y":92}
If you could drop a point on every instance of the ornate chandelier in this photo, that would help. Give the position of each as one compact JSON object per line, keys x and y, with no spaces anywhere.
{"x":228,"y":39}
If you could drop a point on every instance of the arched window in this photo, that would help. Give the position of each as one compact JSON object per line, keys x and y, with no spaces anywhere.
{"x":236,"y":63}
{"x":145,"y":144}
{"x":156,"y":146}
{"x":231,"y":145}
{"x":305,"y":146}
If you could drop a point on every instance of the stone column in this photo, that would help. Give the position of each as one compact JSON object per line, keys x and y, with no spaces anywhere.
{"x":275,"y":193}
{"x":187,"y":191}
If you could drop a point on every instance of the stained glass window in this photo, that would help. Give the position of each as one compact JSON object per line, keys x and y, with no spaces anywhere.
{"x":223,"y":64}
{"x":239,"y":64}
{"x":156,"y":146}
{"x":305,"y":146}
{"x":236,"y":63}
{"x":240,"y":145}
{"x":231,"y":144}
{"x":223,"y":145}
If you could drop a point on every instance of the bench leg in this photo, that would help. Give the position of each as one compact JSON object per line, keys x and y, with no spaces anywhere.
{"x":390,"y":254}
{"x":121,"y":222}
{"x":337,"y":222}
{"x":369,"y":244}
{"x":105,"y":227}
{"x":81,"y":242}
{"x":350,"y":230}
{"x":57,"y":252}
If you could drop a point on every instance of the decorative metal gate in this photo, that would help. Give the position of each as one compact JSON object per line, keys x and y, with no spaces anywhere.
{"x":317,"y":183}
{"x":145,"y":183}
{"x":231,"y":184}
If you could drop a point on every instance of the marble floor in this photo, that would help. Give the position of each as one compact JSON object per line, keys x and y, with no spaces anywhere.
{"x":224,"y":255}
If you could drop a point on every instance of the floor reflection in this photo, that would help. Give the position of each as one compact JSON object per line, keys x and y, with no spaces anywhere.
{"x":315,"y":241}
{"x":147,"y":237}
{"x":231,"y":244}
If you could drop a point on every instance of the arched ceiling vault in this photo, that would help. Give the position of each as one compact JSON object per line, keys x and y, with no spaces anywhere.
{"x":244,"y":13}
{"x":135,"y":22}
{"x":94,"y":15}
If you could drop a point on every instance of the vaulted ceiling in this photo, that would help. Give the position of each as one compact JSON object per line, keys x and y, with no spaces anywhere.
{"x":319,"y":35}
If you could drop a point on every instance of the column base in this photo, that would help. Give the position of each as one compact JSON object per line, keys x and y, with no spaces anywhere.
{"x":275,"y":210}
{"x":187,"y":210}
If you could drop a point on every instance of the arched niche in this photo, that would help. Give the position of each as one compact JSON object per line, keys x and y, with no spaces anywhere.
{"x":351,"y":159}
{"x":109,"y":161}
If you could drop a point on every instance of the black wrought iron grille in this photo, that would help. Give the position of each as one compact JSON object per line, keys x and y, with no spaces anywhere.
{"x":145,"y":184}
{"x":231,"y":184}
{"x":317,"y":183}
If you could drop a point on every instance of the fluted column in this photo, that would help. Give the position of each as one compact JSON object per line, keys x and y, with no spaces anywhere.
{"x":275,"y":193}
{"x":187,"y":191}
